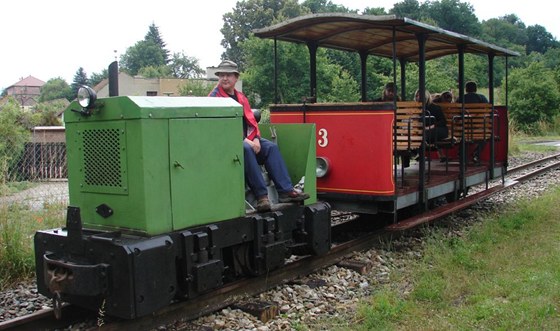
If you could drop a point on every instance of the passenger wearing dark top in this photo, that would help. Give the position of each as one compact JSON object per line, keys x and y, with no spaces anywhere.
{"x":472,"y":96}
{"x":444,"y":97}
{"x":435,"y":128}
{"x":436,"y":125}
{"x":389,"y":93}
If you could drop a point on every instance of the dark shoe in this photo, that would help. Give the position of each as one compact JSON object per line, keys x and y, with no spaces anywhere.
{"x":476,"y":159}
{"x":406,"y":161}
{"x":263,"y":205}
{"x":293,"y":196}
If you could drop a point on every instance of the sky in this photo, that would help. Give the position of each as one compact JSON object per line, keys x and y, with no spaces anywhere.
{"x":50,"y":39}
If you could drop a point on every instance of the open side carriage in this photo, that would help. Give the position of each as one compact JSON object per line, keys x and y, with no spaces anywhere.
{"x":361,"y":145}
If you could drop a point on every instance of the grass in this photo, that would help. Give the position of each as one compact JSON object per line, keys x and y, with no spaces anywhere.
{"x":504,"y":274}
{"x":520,"y":142}
{"x":18,"y":225}
{"x":10,"y":188}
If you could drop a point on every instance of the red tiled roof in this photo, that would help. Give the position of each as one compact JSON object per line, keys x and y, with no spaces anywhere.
{"x":30,"y":81}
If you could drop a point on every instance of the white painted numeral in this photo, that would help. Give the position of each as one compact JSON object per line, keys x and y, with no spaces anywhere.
{"x":323,"y":140}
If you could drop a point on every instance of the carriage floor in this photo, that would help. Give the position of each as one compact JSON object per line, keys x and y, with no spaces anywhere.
{"x":437,"y":175}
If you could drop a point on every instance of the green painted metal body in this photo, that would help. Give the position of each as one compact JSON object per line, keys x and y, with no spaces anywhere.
{"x":297,"y":145}
{"x":152,"y":165}
{"x":158,"y":164}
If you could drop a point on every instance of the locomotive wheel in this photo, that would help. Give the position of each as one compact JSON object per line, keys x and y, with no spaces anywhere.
{"x":244,"y":259}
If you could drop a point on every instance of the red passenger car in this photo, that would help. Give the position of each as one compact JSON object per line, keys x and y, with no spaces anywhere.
{"x":361,"y":146}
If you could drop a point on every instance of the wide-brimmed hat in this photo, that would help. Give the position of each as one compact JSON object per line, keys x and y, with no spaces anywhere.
{"x":227,"y":66}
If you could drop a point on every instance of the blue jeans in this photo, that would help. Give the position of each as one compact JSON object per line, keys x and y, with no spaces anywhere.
{"x":273,"y":162}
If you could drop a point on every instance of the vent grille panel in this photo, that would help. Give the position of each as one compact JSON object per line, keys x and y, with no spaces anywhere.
{"x":102,"y":158}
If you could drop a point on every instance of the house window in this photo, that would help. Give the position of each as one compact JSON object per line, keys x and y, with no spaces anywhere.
{"x":151,"y":93}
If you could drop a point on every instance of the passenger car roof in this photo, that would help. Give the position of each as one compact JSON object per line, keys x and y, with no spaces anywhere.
{"x":374,"y":35}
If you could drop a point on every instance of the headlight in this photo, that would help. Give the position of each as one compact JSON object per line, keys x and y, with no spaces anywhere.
{"x":86,"y":97}
{"x":322,"y":167}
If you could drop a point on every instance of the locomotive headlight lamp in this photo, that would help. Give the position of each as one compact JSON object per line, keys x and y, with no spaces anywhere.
{"x":322,"y":167}
{"x":86,"y":97}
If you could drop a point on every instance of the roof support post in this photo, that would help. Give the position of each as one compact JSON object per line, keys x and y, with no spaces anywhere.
{"x":422,"y":90}
{"x":507,"y":83}
{"x":394,"y":59}
{"x":402,"y":62}
{"x":491,"y":57}
{"x":312,"y":46}
{"x":275,"y":71}
{"x":363,"y":62}
{"x":462,"y":151}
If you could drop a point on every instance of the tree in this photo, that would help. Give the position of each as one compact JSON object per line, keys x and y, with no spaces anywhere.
{"x":539,"y":40}
{"x":534,"y":96}
{"x":324,"y":6}
{"x":183,"y":66}
{"x":96,"y":78}
{"x":374,"y":11}
{"x":143,"y":54}
{"x":154,"y":35}
{"x":249,"y":15}
{"x":552,"y":58}
{"x":46,"y":113}
{"x":408,"y":8}
{"x":56,"y":88}
{"x":80,"y":78}
{"x":453,"y":15}
{"x":149,"y":52}
{"x":506,"y":30}
{"x":155,"y":72}
{"x":344,"y":88}
{"x":14,"y":133}
{"x":195,"y":87}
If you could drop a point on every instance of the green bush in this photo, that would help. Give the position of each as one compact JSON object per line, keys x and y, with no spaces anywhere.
{"x":534,"y":97}
{"x":14,"y":133}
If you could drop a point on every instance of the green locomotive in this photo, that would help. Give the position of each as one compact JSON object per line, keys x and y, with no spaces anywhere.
{"x":158,"y":207}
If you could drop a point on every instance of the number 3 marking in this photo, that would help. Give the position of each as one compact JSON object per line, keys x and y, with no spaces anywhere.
{"x":323,"y":140}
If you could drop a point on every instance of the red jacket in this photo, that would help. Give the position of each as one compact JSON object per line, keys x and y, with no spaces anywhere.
{"x":250,"y":121}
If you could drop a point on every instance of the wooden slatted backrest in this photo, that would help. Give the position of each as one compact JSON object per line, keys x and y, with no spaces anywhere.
{"x":408,"y":125}
{"x":478,"y":121}
{"x":452,"y":113}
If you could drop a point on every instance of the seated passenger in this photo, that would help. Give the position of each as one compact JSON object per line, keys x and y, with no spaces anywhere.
{"x":389,"y":93}
{"x":443,"y":97}
{"x":436,"y":97}
{"x":447,"y":97}
{"x":257,"y":151}
{"x":472,"y":96}
{"x":436,"y":124}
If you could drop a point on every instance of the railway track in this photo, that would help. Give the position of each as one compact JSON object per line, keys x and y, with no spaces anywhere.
{"x":239,"y":290}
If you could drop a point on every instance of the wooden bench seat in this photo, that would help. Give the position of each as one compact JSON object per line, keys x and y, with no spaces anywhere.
{"x":408,"y":125}
{"x":477,"y":126}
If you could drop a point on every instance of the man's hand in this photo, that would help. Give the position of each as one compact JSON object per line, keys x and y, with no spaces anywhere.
{"x":255,"y":144}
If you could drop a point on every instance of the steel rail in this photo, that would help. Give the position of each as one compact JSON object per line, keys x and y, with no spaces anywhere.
{"x":452,"y":207}
{"x":44,"y":319}
{"x":533,"y":163}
